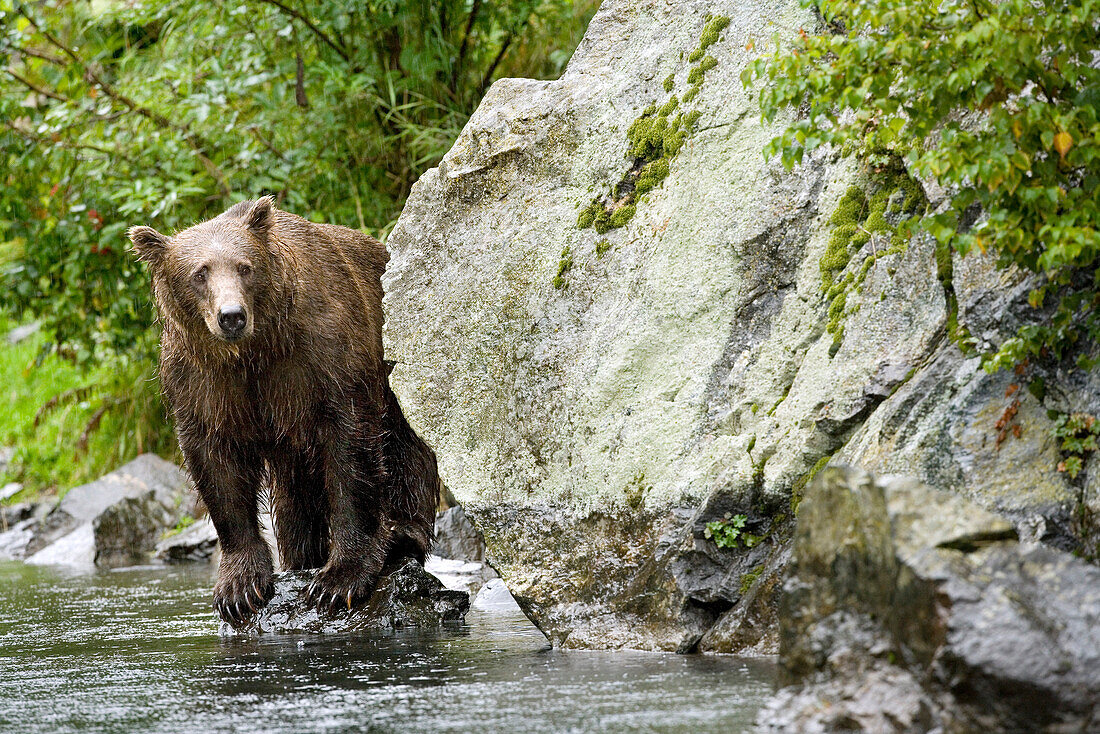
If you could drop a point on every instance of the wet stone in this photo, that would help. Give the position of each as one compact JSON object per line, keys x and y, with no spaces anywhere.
{"x":456,"y":537}
{"x":197,"y":543}
{"x":408,"y":597}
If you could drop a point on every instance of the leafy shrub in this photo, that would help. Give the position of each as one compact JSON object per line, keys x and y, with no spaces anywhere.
{"x":994,"y":100}
{"x":119,"y":113}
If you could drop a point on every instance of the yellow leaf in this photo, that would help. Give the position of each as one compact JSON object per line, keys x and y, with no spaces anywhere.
{"x":1017,"y":129}
{"x":1062,"y":143}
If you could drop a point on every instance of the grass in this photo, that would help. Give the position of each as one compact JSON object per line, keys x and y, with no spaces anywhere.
{"x":89,"y":420}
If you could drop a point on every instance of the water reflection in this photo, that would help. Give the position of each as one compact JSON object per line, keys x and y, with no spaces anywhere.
{"x":137,"y":650}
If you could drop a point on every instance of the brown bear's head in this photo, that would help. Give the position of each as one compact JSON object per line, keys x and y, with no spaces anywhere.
{"x":210,"y":274}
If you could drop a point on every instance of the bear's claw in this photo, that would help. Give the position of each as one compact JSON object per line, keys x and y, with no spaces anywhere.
{"x":339,"y":586}
{"x":237,"y":601}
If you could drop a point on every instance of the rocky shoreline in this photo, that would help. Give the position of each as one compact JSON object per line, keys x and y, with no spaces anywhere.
{"x":143,"y":513}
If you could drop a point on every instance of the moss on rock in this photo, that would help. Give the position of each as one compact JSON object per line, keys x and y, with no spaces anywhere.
{"x":857,"y":221}
{"x":655,"y":138}
{"x":564,"y":265}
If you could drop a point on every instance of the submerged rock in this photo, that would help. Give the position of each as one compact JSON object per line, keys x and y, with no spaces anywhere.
{"x":197,"y":543}
{"x":115,"y":520}
{"x":910,"y":609}
{"x":408,"y":596}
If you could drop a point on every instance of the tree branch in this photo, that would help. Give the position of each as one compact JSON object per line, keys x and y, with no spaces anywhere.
{"x":309,"y":24}
{"x":40,"y":55}
{"x":35,"y":88}
{"x":197,"y":142}
{"x":255,"y":132}
{"x":465,"y":42}
{"x":488,"y":78}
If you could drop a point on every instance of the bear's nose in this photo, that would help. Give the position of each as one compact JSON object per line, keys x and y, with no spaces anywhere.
{"x":232,"y":320}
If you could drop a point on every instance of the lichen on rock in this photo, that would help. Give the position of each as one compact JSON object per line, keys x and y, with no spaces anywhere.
{"x":690,"y":348}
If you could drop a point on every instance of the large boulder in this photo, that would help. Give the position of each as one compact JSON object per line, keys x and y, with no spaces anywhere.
{"x":407,"y":596}
{"x":600,"y":396}
{"x":115,"y":520}
{"x":910,"y":609}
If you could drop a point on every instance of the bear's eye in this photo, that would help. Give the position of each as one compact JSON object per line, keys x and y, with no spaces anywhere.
{"x":244,"y":269}
{"x":199,"y":276}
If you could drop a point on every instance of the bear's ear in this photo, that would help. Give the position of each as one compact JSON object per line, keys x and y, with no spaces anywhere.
{"x":149,"y":244}
{"x":260,"y":217}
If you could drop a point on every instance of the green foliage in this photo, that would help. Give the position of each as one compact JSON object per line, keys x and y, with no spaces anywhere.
{"x":1077,"y":434}
{"x":165,"y":113}
{"x":73,"y":422}
{"x":655,"y":138}
{"x":993,"y":100}
{"x":726,"y":532}
{"x":185,"y":522}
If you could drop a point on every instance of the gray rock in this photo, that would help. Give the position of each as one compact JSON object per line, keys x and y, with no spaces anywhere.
{"x":683,"y":364}
{"x":9,"y":490}
{"x":14,"y":540}
{"x":7,"y":453}
{"x":123,"y":513}
{"x":127,"y":530}
{"x":456,"y":537}
{"x":751,"y":627}
{"x":24,"y":332}
{"x":76,"y":548}
{"x":910,"y":609}
{"x":197,"y":543}
{"x":11,"y":514}
{"x":406,"y":597}
{"x":18,"y":525}
{"x":940,"y":427}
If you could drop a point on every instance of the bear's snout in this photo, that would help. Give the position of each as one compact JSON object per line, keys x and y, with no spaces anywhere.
{"x":232,"y":320}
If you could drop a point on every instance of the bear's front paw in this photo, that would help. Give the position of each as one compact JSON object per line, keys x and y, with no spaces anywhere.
{"x":245,"y":585}
{"x":339,"y":585}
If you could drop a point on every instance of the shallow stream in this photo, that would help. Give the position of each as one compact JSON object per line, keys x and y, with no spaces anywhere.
{"x":137,"y":650}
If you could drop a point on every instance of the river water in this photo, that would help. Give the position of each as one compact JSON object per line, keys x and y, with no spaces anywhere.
{"x":137,"y":650}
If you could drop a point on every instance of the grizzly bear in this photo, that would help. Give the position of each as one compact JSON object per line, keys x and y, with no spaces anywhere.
{"x":271,"y":365}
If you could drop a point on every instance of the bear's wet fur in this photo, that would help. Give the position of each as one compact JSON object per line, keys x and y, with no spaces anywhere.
{"x":271,"y":364}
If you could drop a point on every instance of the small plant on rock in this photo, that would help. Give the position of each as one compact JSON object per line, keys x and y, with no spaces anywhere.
{"x":1077,"y":435}
{"x":726,"y":532}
